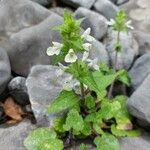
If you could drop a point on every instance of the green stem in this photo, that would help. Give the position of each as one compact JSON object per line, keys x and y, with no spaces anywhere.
{"x":82,"y":91}
{"x":115,"y":67}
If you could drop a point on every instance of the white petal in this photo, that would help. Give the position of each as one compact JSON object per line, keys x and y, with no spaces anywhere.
{"x":89,"y":38}
{"x":111,"y":22}
{"x":51,"y":51}
{"x":71,"y":56}
{"x":85,"y":56}
{"x":86,"y":32}
{"x":87,"y":46}
{"x":62,"y":66}
{"x":57,"y":51}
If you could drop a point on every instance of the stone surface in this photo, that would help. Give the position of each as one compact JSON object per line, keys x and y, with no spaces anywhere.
{"x":18,"y":90}
{"x":106,"y":8}
{"x":43,"y":86}
{"x":140,"y":70}
{"x":136,"y":143}
{"x":44,"y":2}
{"x":5,"y":70}
{"x":129,"y":49}
{"x":120,"y":2}
{"x":95,"y":21}
{"x":99,"y":51}
{"x":28,"y":47}
{"x":77,"y":3}
{"x":11,"y":138}
{"x":139,"y":102}
{"x":16,"y":15}
{"x":138,"y":11}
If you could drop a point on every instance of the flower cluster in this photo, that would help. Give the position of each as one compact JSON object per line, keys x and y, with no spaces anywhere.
{"x":71,"y":56}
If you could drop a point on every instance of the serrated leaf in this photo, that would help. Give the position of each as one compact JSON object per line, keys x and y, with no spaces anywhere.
{"x":83,"y":147}
{"x":89,"y":102}
{"x":53,"y":144}
{"x":122,"y":133}
{"x":65,"y":100}
{"x":106,"y":142}
{"x":74,"y":121}
{"x":37,"y":137}
{"x":86,"y":131}
{"x":58,"y":124}
{"x":123,"y":117}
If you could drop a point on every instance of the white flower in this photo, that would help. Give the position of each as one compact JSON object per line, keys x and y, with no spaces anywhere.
{"x":128,"y":24}
{"x":68,"y":84}
{"x":71,"y":56}
{"x":87,"y":46}
{"x":86,"y":35}
{"x":85,"y":56}
{"x":55,"y":49}
{"x":111,"y":22}
{"x":93,"y":63}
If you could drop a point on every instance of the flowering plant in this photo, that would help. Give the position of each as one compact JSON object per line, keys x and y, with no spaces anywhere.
{"x":88,"y":110}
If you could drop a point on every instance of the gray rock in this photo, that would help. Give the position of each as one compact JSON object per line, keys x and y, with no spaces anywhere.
{"x":77,"y":3}
{"x":99,"y":51}
{"x":139,"y":102}
{"x":140,"y":70}
{"x":12,"y":138}
{"x":5,"y":70}
{"x":136,"y":143}
{"x":106,"y":8}
{"x":16,"y":15}
{"x":95,"y":21}
{"x":43,"y":86}
{"x":44,"y":2}
{"x":28,"y":47}
{"x":18,"y":90}
{"x":129,"y":49}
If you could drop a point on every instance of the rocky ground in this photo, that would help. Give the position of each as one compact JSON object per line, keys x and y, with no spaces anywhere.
{"x":25,"y":73}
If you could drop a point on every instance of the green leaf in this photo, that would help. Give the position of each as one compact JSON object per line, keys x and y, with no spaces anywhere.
{"x":58,"y":124}
{"x":65,"y":100}
{"x":52,"y":144}
{"x":89,"y":102}
{"x":123,"y":117}
{"x":87,"y":129}
{"x":83,"y":147}
{"x":91,"y":118}
{"x":106,"y":142}
{"x":98,"y":129}
{"x":123,"y":77}
{"x":122,"y":133}
{"x":74,"y":121}
{"x":37,"y":137}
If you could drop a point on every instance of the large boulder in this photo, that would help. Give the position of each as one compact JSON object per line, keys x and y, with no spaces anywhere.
{"x":139,"y":102}
{"x":5,"y":70}
{"x":140,"y":70}
{"x":43,"y":87}
{"x":28,"y":47}
{"x":77,"y":3}
{"x":16,"y":15}
{"x":106,"y":8}
{"x":95,"y":21}
{"x":129,"y":49}
{"x":12,"y":138}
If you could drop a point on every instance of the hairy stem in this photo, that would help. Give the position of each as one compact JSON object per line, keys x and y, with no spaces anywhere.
{"x":114,"y":67}
{"x":82,"y":91}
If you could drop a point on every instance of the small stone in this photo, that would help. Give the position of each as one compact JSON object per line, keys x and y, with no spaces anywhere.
{"x":18,"y":90}
{"x":106,"y":8}
{"x":44,"y":2}
{"x":95,"y":21}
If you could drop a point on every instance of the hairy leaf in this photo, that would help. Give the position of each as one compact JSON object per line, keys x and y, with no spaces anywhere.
{"x":65,"y":100}
{"x":106,"y":142}
{"x":37,"y":137}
